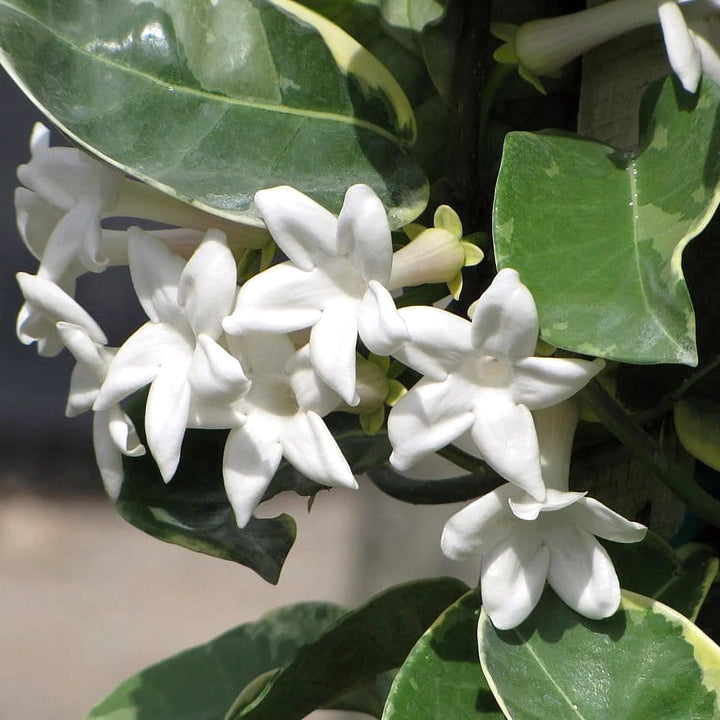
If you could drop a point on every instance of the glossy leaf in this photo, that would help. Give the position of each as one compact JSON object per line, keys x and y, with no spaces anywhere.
{"x":214,"y":100}
{"x":370,"y":640}
{"x":441,"y":678}
{"x":397,"y":45}
{"x":201,"y":683}
{"x":652,"y":568}
{"x":193,"y":510}
{"x":598,"y":236}
{"x":647,"y":661}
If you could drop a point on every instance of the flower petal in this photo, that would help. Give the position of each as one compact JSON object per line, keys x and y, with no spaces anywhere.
{"x":114,"y":436}
{"x":281,"y":299}
{"x":581,"y":572}
{"x":527,"y":508}
{"x":35,"y":220}
{"x":215,"y":374}
{"x":540,"y":382}
{"x":249,"y":463}
{"x":595,"y":518}
{"x":479,"y":526}
{"x":107,"y":456}
{"x":380,"y":326}
{"x":139,"y":360}
{"x":311,"y":449}
{"x":155,"y":272}
{"x":504,"y":433}
{"x":682,"y":52}
{"x":505,"y":323}
{"x":207,"y":285}
{"x":333,"y":341}
{"x":49,"y":299}
{"x":300,"y":227}
{"x":166,"y":416}
{"x":310,"y":391}
{"x":512,"y":577}
{"x":123,"y":433}
{"x":439,"y":341}
{"x":428,"y":418}
{"x":364,"y":231}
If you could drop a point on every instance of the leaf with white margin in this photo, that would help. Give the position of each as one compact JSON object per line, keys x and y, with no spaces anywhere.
{"x":441,"y":678}
{"x":212,"y":100}
{"x":598,"y":236}
{"x":646,"y":661}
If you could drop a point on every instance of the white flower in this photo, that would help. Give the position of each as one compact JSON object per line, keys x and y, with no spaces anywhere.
{"x":691,"y":31}
{"x":57,"y":318}
{"x":481,"y":377}
{"x":179,"y":351}
{"x":60,"y":208}
{"x":114,"y":433}
{"x":523,"y":543}
{"x":46,"y":304}
{"x":281,"y":416}
{"x":334,"y":282}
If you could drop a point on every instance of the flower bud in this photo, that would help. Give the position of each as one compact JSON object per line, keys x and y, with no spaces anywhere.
{"x":543,"y":47}
{"x":434,"y":255}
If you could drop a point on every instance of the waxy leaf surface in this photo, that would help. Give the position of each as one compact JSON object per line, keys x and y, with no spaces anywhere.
{"x":362,"y":644}
{"x":441,"y":678}
{"x":212,"y":100}
{"x":652,"y":568}
{"x":193,"y":511}
{"x":201,"y":683}
{"x":598,"y":236}
{"x":646,"y":661}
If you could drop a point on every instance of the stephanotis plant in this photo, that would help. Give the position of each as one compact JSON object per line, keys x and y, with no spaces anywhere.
{"x":364,"y":258}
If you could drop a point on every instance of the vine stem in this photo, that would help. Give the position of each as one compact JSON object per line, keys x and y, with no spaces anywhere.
{"x":635,"y":439}
{"x":666,"y":403}
{"x":489,"y":91}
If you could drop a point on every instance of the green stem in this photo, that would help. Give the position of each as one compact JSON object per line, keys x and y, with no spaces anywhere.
{"x":462,"y":459}
{"x":667,"y":403}
{"x":633,"y":437}
{"x":489,"y":91}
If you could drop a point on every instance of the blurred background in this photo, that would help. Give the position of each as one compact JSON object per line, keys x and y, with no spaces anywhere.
{"x":87,"y":600}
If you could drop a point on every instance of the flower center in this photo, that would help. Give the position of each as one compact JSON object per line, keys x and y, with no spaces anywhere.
{"x":273,"y":394}
{"x":492,"y":372}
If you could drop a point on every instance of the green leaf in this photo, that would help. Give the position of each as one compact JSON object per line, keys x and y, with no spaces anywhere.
{"x":654,"y":569}
{"x":441,"y":678}
{"x":371,"y":640}
{"x":193,"y":510}
{"x":646,"y":661}
{"x":598,"y":236}
{"x":213,"y":100}
{"x":202,"y":682}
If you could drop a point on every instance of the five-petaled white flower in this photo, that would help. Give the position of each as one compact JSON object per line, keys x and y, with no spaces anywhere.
{"x":523,"y":542}
{"x":114,"y":433}
{"x":179,"y":351}
{"x":481,"y":377}
{"x":335,"y":281}
{"x":46,"y":304}
{"x":280,"y":416}
{"x":61,"y":206}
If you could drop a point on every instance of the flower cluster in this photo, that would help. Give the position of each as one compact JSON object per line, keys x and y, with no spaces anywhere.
{"x":270,"y":358}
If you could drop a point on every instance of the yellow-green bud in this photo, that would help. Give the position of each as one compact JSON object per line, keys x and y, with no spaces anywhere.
{"x":434,"y":255}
